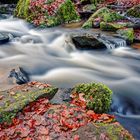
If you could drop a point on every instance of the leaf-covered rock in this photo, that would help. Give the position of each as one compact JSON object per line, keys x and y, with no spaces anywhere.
{"x":47,"y":12}
{"x":14,"y":100}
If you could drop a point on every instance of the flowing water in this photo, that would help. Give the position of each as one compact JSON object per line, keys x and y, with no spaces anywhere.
{"x":49,"y":55}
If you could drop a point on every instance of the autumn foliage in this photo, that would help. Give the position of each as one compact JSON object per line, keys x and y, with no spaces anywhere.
{"x":43,"y":121}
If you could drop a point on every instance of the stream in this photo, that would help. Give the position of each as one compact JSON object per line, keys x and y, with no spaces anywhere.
{"x":49,"y":55}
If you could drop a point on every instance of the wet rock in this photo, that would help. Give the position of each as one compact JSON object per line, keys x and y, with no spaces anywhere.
{"x":7,"y":8}
{"x":4,"y":38}
{"x":8,"y":1}
{"x":109,"y":26}
{"x":100,"y":131}
{"x":62,"y":96}
{"x":127,"y":34}
{"x":11,"y":104}
{"x":134,"y":11}
{"x":19,"y":76}
{"x":87,"y":41}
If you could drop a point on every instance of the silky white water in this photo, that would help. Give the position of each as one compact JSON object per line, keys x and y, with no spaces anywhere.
{"x":49,"y":55}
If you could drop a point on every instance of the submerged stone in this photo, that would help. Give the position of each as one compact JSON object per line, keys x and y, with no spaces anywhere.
{"x":4,"y":38}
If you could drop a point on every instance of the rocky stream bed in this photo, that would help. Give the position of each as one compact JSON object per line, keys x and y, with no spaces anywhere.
{"x":87,"y":52}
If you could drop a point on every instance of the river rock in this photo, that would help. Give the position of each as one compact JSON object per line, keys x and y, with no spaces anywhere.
{"x":109,"y":26}
{"x":14,"y":100}
{"x":127,"y":34}
{"x":7,"y":8}
{"x":4,"y":38}
{"x":87,"y":41}
{"x":100,"y":131}
{"x":62,"y":96}
{"x":134,"y":11}
{"x":19,"y":76}
{"x":52,"y":12}
{"x":105,"y":14}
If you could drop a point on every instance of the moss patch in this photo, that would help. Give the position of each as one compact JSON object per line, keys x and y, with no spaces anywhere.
{"x":127,"y":33}
{"x":97,"y":95}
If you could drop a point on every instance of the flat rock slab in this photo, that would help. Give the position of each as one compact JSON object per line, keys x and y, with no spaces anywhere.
{"x":62,"y":96}
{"x":14,"y":100}
{"x":4,"y":38}
{"x":87,"y":41}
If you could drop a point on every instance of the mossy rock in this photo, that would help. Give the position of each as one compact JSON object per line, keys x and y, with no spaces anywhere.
{"x":106,"y":26}
{"x":101,"y":131}
{"x":11,"y":104}
{"x":134,"y":11}
{"x":98,"y":96}
{"x":127,"y":33}
{"x":89,"y":7}
{"x":105,"y":14}
{"x":66,"y":12}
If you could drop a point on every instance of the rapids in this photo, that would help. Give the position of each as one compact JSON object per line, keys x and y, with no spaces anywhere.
{"x":49,"y":55}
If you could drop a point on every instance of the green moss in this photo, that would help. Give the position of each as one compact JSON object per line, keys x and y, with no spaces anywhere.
{"x":97,"y":95}
{"x":89,"y":7}
{"x":67,"y":12}
{"x":22,"y":9}
{"x":127,"y":33}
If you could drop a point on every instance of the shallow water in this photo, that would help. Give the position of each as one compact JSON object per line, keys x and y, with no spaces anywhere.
{"x":49,"y":55}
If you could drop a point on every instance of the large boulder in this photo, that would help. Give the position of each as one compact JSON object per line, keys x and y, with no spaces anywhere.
{"x":85,"y":41}
{"x":105,"y":15}
{"x":14,"y":100}
{"x":134,"y":11}
{"x":50,"y":13}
